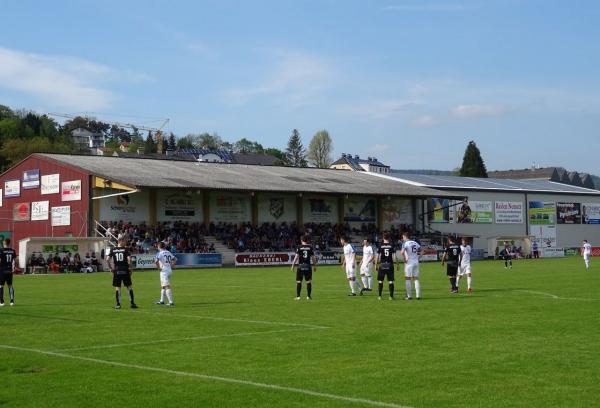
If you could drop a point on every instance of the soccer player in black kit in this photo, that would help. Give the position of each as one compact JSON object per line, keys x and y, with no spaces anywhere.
{"x":307,"y":264}
{"x":120,"y":267}
{"x":386,"y":256}
{"x":451,"y":258}
{"x":8,"y":258}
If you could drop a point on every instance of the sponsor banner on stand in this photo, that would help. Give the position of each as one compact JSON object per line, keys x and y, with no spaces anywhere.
{"x":590,"y":213}
{"x":264,"y":258}
{"x":184,"y":260}
{"x":329,"y":257}
{"x":31,"y":179}
{"x":568,"y":213}
{"x":509,"y":212}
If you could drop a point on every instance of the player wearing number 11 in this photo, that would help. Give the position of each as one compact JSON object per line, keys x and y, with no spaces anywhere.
{"x":165,"y":261}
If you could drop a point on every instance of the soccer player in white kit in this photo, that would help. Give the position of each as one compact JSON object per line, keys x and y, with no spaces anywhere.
{"x":586,"y":251}
{"x":465,"y":264}
{"x":349,"y":265}
{"x":411,"y":251}
{"x":164,"y":261}
{"x":366,"y":265}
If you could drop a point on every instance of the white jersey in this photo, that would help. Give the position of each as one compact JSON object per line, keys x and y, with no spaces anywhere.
{"x":466,"y":254}
{"x":164,"y":259}
{"x":368,"y":255}
{"x":411,"y":249}
{"x":349,"y":255}
{"x":587,"y":248}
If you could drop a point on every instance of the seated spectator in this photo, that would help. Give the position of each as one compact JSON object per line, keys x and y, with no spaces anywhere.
{"x":95,"y":263}
{"x":77,"y":264}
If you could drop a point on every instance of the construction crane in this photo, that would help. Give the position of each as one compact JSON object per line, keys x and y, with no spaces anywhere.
{"x":158,"y":132}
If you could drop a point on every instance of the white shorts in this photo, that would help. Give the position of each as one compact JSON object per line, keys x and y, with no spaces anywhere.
{"x":351,"y":272}
{"x":366,"y":269}
{"x":411,"y":271}
{"x":586,"y":257}
{"x":165,"y":278}
{"x":464,"y":269}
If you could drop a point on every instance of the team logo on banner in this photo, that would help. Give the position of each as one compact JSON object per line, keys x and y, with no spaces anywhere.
{"x":123,"y":200}
{"x":276,"y":208}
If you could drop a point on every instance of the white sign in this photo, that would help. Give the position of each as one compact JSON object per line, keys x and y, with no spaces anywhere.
{"x":71,"y":191}
{"x":179,"y":205}
{"x":509,"y":212}
{"x":129,"y":207}
{"x":553,"y":252}
{"x":320,"y":209}
{"x":144,"y":261}
{"x":61,"y":216}
{"x":590,"y":213}
{"x":230,"y":207}
{"x":276,"y":208}
{"x":12,"y":188}
{"x":51,"y":184}
{"x":40,"y":210}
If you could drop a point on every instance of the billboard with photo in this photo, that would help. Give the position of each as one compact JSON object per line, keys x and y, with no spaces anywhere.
{"x":568,"y":213}
{"x":509,"y":212}
{"x":276,"y":208}
{"x":590,"y":213}
{"x":542,"y":213}
{"x":50,"y":184}
{"x":472,"y":212}
{"x":31,"y":179}
{"x":179,"y":205}
{"x":438,"y":210}
{"x":320,"y":209}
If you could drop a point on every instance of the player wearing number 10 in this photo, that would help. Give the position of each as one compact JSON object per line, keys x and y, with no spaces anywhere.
{"x":164,"y":261}
{"x":119,"y":262}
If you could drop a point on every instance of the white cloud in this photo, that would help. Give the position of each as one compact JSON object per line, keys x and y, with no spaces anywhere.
{"x":61,"y":82}
{"x":296,"y":79}
{"x":478,"y":111}
{"x":425,"y":121}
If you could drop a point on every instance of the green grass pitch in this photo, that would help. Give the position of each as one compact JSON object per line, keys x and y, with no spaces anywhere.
{"x":526,"y":337}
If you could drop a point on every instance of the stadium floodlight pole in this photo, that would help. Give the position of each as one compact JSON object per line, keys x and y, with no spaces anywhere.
{"x":116,"y":194}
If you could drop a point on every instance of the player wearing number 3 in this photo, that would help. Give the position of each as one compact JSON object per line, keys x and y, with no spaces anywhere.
{"x":164,"y":261}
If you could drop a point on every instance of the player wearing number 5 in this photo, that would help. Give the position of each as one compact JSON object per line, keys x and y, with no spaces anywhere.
{"x":307,"y":264}
{"x":119,"y":262}
{"x":386,"y":258}
{"x":165,"y":261}
{"x":411,"y":251}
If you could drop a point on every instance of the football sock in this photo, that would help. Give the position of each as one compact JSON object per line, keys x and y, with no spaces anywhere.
{"x":11,"y":293}
{"x":309,"y":289}
{"x":418,"y":288}
{"x":131,"y":295}
{"x":457,"y":279}
{"x":118,"y":296}
{"x":506,"y":264}
{"x":370,"y":280}
{"x":298,"y":288}
{"x":380,"y":288}
{"x":1,"y":294}
{"x":469,"y":280}
{"x":351,"y":286}
{"x":587,"y":263}
{"x":452,"y":282}
{"x":408,"y":288}
{"x":365,"y":281}
{"x":391,"y":289}
{"x":162,"y":295}
{"x":169,"y":295}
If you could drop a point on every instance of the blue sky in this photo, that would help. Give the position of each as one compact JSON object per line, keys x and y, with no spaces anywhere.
{"x":408,"y":81}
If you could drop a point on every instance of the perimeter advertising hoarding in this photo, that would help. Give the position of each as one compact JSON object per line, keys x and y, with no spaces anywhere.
{"x":146,"y":261}
{"x":264,"y":258}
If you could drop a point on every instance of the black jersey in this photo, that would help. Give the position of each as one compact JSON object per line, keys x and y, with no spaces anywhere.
{"x":386,"y":253}
{"x":120,"y":259}
{"x":305,"y":254}
{"x":7,"y":257}
{"x":452,"y":254}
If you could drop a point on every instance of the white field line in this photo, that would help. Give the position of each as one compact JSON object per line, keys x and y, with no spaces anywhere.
{"x":205,"y":377}
{"x":553,"y":296}
{"x":216,"y":336}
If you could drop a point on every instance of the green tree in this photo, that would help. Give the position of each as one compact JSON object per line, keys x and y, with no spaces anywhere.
{"x":320,"y":149}
{"x":279,"y":154}
{"x":295,"y":153}
{"x":473,"y":165}
{"x":186,"y":142}
{"x":246,"y":146}
{"x":208,"y":141}
{"x":6,"y":113}
{"x":171,"y":142}
{"x":150,"y":144}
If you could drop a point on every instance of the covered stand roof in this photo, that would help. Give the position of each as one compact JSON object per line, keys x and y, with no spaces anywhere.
{"x":140,"y":173}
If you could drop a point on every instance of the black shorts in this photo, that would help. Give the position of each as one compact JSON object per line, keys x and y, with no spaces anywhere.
{"x":508,"y":257}
{"x":385,"y":271}
{"x":124,"y":279}
{"x":452,"y":270}
{"x":6,"y":279}
{"x":304,"y":271}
